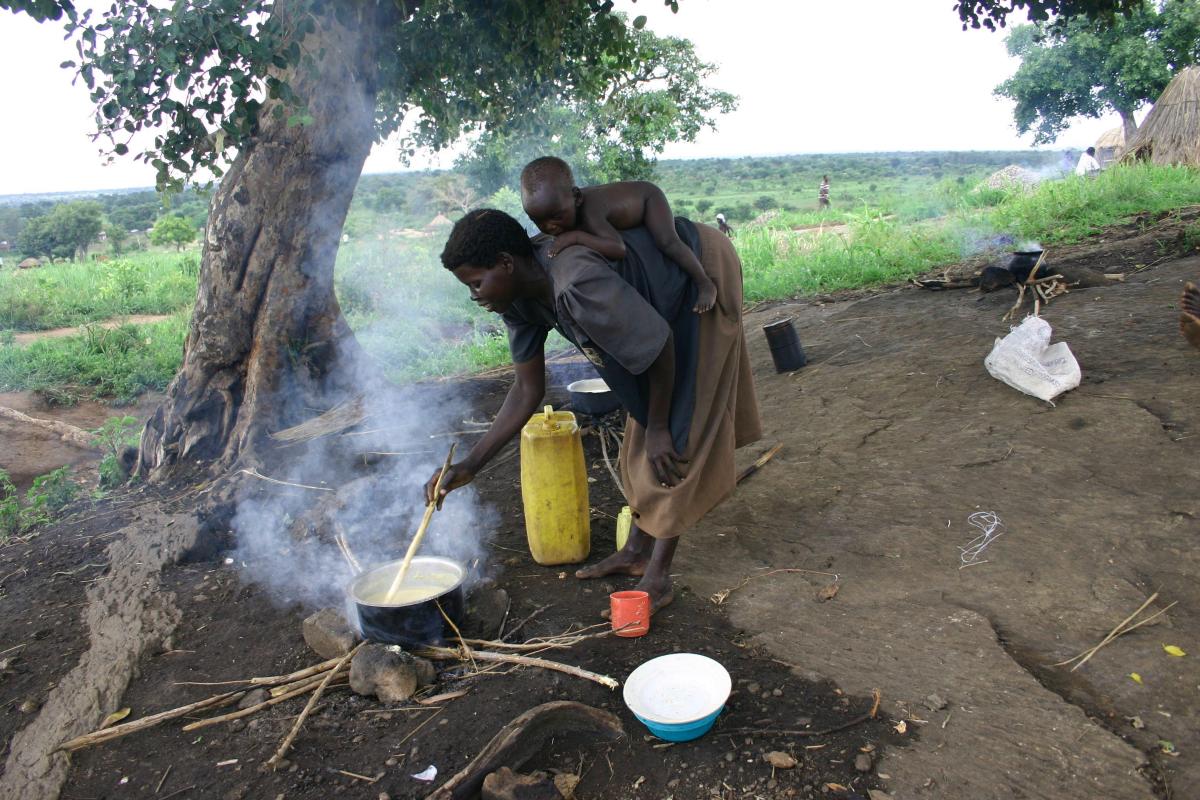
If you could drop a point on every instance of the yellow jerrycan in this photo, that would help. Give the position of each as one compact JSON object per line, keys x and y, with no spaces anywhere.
{"x":554,"y":489}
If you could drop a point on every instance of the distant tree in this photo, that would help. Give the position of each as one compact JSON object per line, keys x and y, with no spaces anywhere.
{"x":1084,"y":68}
{"x":766,"y":202}
{"x":172,"y":229}
{"x":451,"y":191}
{"x":617,"y":136}
{"x":703,"y":206}
{"x":117,"y":236}
{"x":65,"y":232}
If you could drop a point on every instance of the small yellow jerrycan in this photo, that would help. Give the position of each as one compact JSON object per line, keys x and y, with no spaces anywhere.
{"x":554,"y":488}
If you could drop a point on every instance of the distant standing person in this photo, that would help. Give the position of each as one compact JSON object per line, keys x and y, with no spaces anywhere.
{"x":1088,"y":165}
{"x":823,"y":193}
{"x":723,"y":226}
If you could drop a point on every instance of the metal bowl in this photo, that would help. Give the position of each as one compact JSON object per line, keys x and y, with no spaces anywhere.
{"x":415,"y":622}
{"x":592,"y":396}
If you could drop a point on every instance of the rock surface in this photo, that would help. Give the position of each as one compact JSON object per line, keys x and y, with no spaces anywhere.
{"x":329,"y":634}
{"x":387,"y":672}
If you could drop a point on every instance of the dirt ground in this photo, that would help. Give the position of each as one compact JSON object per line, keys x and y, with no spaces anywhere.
{"x":892,"y":436}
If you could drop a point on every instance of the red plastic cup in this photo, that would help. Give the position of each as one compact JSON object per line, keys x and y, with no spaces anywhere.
{"x":630,"y":613}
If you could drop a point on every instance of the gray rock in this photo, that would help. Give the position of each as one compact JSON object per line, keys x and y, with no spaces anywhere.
{"x":387,"y":672}
{"x":253,"y":698}
{"x":484,"y":613}
{"x":329,"y":634}
{"x":863,"y":762}
{"x":935,"y":702}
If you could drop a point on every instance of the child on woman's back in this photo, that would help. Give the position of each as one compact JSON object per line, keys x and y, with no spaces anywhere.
{"x":594,"y":215}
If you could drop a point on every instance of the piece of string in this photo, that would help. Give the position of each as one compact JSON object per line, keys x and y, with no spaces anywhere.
{"x":989,"y":523}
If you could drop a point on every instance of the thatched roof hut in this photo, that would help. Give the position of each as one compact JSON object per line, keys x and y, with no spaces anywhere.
{"x":440,"y":221}
{"x":1171,"y":132}
{"x":30,"y":263}
{"x":1110,"y":146}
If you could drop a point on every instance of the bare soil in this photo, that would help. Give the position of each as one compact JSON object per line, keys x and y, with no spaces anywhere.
{"x":108,"y":324}
{"x":892,"y":435}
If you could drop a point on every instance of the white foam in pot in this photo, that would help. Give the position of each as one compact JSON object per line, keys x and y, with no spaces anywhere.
{"x":589,"y":386}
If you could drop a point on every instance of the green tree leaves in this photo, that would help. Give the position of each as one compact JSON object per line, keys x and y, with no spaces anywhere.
{"x":172,"y":229}
{"x":63,"y":233}
{"x":1085,"y":68}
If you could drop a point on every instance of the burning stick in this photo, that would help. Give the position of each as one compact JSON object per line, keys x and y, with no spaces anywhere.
{"x":340,"y":537}
{"x":416,"y":542}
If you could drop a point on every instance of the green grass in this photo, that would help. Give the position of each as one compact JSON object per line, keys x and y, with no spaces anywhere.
{"x":1073,"y":209}
{"x":418,"y":322}
{"x":118,"y":363}
{"x":75,"y":293}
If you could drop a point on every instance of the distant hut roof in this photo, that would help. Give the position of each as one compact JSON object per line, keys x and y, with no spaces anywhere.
{"x":440,"y":221}
{"x":1171,"y":132}
{"x":30,"y":263}
{"x":1114,"y":138}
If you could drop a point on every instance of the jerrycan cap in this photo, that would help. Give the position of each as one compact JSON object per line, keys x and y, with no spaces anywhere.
{"x":549,"y":421}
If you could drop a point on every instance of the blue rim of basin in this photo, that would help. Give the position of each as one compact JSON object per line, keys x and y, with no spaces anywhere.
{"x":681,"y":731}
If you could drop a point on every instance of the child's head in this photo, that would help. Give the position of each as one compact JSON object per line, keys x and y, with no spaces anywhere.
{"x":549,"y":195}
{"x":1091,"y":151}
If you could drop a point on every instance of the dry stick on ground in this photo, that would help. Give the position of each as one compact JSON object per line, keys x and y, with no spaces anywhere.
{"x":254,"y":473}
{"x":67,"y":433}
{"x":335,"y":420}
{"x":339,"y":536}
{"x":117,"y":731}
{"x":273,"y":762}
{"x":521,"y":624}
{"x":759,"y":463}
{"x":270,"y":680}
{"x":449,"y":653}
{"x":245,"y":712}
{"x":1117,"y":632}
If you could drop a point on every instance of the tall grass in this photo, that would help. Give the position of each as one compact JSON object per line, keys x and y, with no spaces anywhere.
{"x":117,"y":363}
{"x":75,"y":293}
{"x":1074,"y":208}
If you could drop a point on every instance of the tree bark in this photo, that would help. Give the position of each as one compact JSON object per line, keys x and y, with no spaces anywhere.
{"x":1129,"y":124}
{"x":266,"y":332}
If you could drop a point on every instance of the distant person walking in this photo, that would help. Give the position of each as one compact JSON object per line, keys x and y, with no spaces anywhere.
{"x":723,"y":226}
{"x":823,"y":193}
{"x":1088,"y":165}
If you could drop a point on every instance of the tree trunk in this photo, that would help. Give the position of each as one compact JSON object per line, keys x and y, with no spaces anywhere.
{"x":1130,"y":125}
{"x":266,"y":331}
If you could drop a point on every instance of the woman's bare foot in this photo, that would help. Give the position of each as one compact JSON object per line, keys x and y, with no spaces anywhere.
{"x":707,"y":297}
{"x":661,"y":595}
{"x":622,"y":562}
{"x":1189,"y":315}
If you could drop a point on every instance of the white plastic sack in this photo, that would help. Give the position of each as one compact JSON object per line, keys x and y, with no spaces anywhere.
{"x":1026,"y":361}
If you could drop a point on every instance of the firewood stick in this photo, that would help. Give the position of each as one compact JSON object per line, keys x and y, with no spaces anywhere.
{"x":269,"y":680}
{"x":312,"y":702}
{"x":117,"y":731}
{"x":245,"y":712}
{"x":416,"y":542}
{"x":311,"y":680}
{"x":447,"y":653}
{"x":295,"y":676}
{"x":758,"y":463}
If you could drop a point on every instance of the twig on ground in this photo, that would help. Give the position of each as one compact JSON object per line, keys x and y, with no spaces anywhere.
{"x":270,"y":680}
{"x":254,"y":473}
{"x":1118,"y":631}
{"x":117,"y":731}
{"x":447,"y":653}
{"x":759,"y":463}
{"x":424,"y":722}
{"x":521,"y":624}
{"x":245,"y":712}
{"x":163,"y":779}
{"x":274,"y":760}
{"x":356,"y":776}
{"x":178,"y":792}
{"x":335,"y":420}
{"x":339,"y":536}
{"x":69,"y":434}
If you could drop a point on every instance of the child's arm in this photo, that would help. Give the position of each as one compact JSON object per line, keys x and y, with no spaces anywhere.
{"x":611,"y":247}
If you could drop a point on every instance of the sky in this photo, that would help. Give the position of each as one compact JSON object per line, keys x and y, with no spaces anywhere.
{"x":852,"y":76}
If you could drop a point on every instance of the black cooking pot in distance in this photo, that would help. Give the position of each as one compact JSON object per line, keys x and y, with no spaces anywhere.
{"x":414,"y":622}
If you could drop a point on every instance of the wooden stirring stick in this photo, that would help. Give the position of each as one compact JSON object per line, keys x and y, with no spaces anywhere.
{"x":416,"y":542}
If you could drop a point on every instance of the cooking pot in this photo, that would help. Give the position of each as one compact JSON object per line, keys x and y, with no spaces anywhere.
{"x":410,"y":621}
{"x":593,"y":396}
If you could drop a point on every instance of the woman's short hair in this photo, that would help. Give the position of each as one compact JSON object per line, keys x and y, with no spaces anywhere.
{"x":481,"y":236}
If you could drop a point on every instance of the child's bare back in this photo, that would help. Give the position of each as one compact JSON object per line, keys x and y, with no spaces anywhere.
{"x":594,"y":216}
